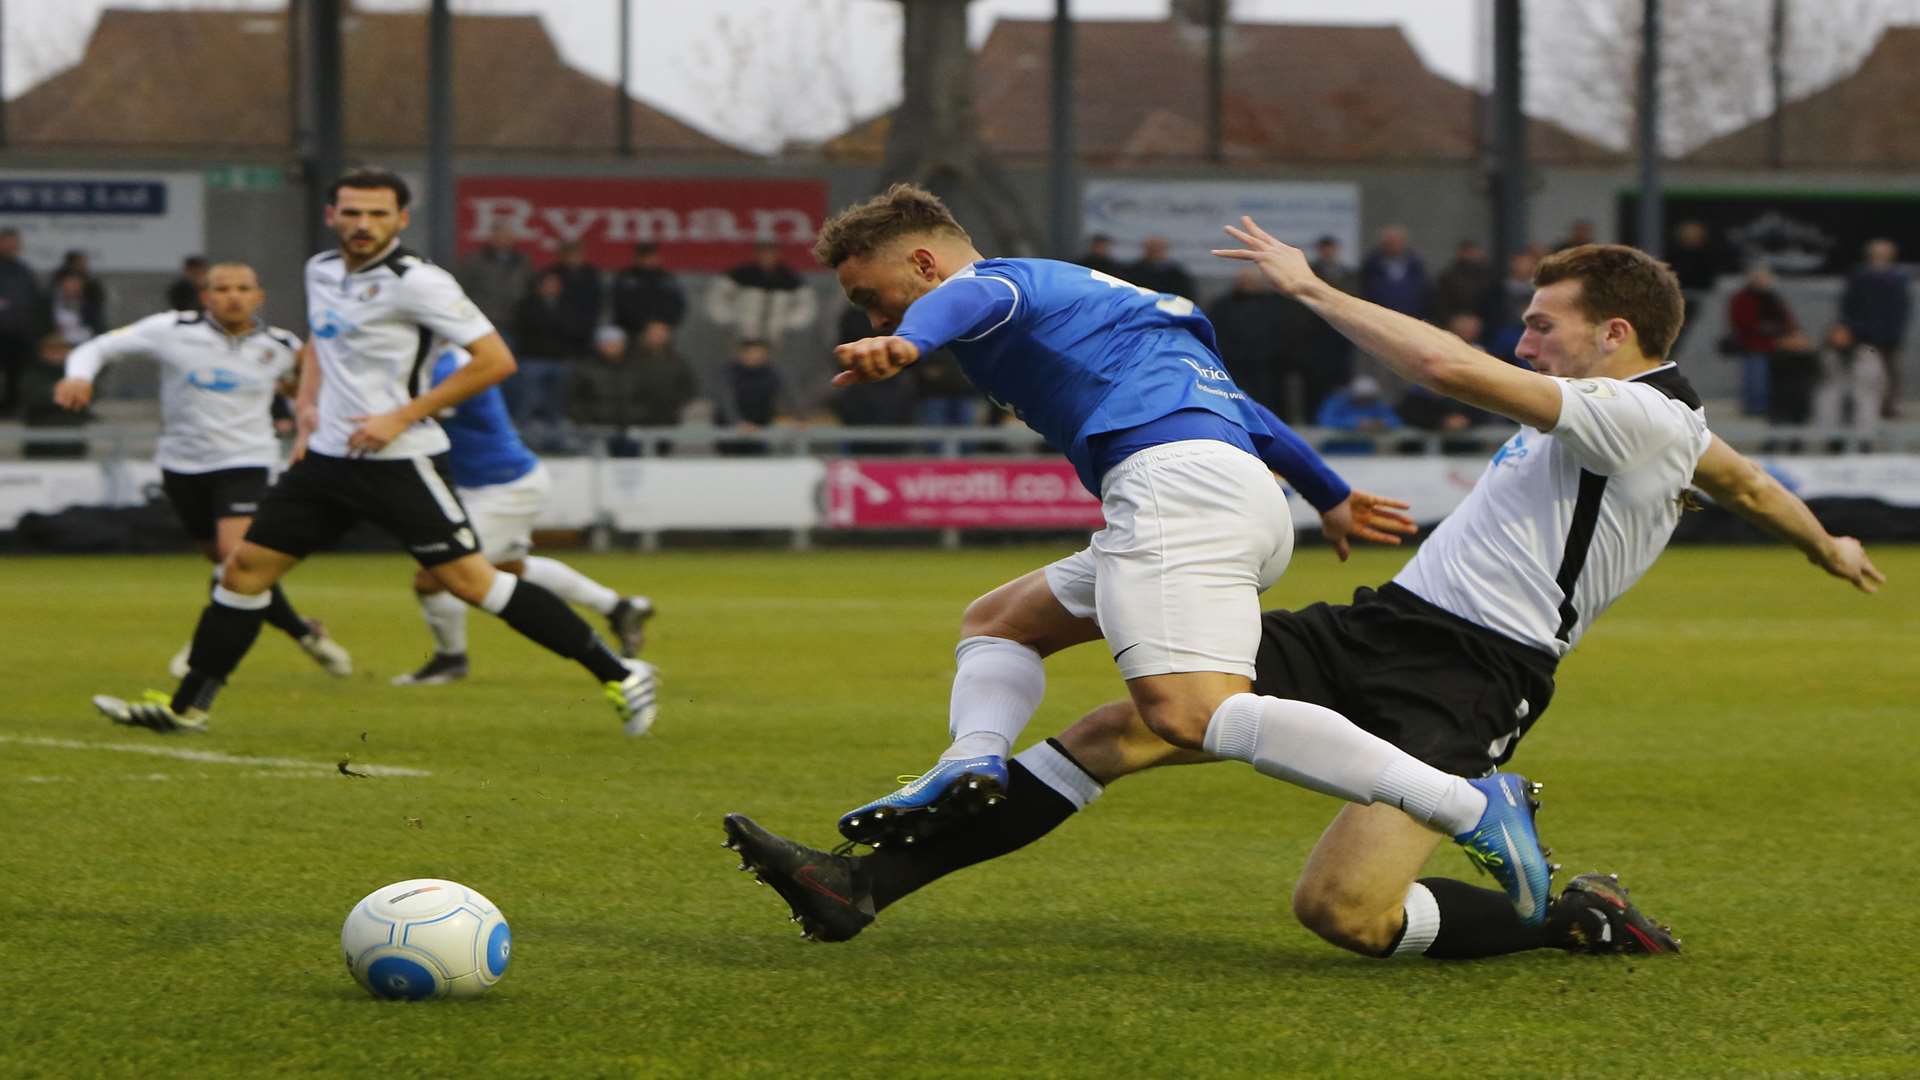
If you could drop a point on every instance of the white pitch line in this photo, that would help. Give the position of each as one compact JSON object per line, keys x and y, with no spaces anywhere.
{"x":212,"y":757}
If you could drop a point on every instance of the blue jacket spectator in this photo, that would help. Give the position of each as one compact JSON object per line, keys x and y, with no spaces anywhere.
{"x":1876,"y":303}
{"x":1358,"y":407}
{"x":1394,"y":277}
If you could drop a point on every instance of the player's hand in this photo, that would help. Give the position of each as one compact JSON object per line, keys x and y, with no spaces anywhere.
{"x":1369,"y":517}
{"x":1284,"y":265}
{"x":73,"y":394}
{"x":872,"y":359}
{"x":1847,"y":560}
{"x":375,"y":432}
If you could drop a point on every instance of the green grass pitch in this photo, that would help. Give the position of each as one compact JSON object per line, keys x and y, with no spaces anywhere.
{"x":1737,"y":739}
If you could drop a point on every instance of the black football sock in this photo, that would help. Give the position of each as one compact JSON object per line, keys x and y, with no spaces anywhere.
{"x":1030,"y":811}
{"x":282,"y":617}
{"x":1477,"y":922}
{"x":546,"y":619}
{"x":228,"y":627}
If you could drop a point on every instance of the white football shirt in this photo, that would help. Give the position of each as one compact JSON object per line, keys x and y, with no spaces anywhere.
{"x":1563,"y":522}
{"x":216,"y":388}
{"x":373,"y":331}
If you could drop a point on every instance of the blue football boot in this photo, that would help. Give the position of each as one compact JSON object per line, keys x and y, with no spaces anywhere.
{"x":1503,"y":843}
{"x":952,"y":791}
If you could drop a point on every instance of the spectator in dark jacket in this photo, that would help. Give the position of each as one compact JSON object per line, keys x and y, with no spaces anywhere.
{"x":580,"y":294}
{"x":93,"y":294}
{"x":20,"y":317}
{"x":1262,"y":337}
{"x":1463,"y":285}
{"x":1328,"y":355}
{"x":546,"y":346}
{"x":756,"y":395}
{"x":1393,"y":275}
{"x":889,"y":401}
{"x":67,"y":311}
{"x":496,"y":276}
{"x":637,"y":383}
{"x":1876,"y":306}
{"x":1099,"y":256}
{"x":184,"y":293}
{"x":1698,"y":265}
{"x":1158,"y":271}
{"x":647,"y":292}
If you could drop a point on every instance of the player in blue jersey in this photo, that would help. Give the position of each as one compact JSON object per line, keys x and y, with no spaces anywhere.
{"x":504,"y":488}
{"x":1127,"y":382}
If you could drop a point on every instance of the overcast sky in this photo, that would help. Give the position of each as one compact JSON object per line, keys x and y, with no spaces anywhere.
{"x":683,"y":49}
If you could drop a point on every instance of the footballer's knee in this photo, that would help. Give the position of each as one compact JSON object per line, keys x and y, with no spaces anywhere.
{"x":1025,"y":611}
{"x":1344,"y":919}
{"x":1111,"y":742}
{"x":468,"y":577}
{"x":425,"y":583}
{"x":249,"y":571}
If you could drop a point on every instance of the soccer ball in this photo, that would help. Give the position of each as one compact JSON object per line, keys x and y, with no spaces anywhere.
{"x":426,"y":938}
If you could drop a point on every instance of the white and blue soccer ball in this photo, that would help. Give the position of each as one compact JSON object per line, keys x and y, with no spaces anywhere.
{"x":426,"y":938}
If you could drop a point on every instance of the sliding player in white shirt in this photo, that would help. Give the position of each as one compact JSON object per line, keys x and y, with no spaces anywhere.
{"x":219,"y":370}
{"x":1453,"y":661}
{"x":368,"y":450}
{"x":504,"y":488}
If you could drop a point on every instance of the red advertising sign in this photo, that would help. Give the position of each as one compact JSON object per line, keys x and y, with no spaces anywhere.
{"x":985,"y":494}
{"x":699,"y":223}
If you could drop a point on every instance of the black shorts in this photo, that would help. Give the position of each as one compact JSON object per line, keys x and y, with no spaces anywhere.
{"x":1455,"y":695}
{"x":319,"y":498}
{"x":200,"y":500}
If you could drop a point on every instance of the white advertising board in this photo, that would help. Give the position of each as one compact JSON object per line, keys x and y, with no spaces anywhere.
{"x":1189,"y":213}
{"x":124,"y":221}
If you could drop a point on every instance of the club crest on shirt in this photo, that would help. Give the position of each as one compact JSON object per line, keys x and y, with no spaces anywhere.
{"x":265,"y":357}
{"x":369,"y":292}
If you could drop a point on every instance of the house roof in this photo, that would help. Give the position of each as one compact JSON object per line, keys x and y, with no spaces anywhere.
{"x":1294,"y":94}
{"x":219,"y":79}
{"x":1863,"y":120}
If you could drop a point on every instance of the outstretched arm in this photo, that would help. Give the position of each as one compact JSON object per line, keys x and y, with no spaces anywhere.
{"x":1417,"y":351}
{"x":1742,"y":486}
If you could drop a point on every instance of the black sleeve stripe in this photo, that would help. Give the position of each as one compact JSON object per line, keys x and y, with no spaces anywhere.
{"x":1586,"y":515}
{"x":284,"y":338}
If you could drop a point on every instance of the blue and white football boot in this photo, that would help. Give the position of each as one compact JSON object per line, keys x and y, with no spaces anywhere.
{"x":951,"y":792}
{"x":1504,"y":844}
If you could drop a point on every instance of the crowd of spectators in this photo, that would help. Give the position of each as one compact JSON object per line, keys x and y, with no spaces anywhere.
{"x":603,"y":350}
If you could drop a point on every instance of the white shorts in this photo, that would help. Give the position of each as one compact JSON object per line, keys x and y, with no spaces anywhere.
{"x":1195,"y":532}
{"x":502,"y":515}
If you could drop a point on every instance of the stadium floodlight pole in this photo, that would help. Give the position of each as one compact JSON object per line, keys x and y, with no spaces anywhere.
{"x":1216,"y":79}
{"x":622,"y":104}
{"x":1061,"y":189}
{"x":440,"y":132}
{"x":1509,"y":179}
{"x":1650,"y":226}
{"x":324,"y":62}
{"x":1777,"y":70}
{"x":3,"y":73}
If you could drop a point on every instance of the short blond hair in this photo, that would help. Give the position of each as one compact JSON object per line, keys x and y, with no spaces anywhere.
{"x":863,"y":228}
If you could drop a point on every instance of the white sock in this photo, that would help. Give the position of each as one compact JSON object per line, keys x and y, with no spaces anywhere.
{"x":1318,"y":749}
{"x":1059,"y":772}
{"x":1423,"y":922}
{"x":446,"y":616}
{"x":570,"y":585}
{"x":997,"y":687}
{"x":499,"y":593}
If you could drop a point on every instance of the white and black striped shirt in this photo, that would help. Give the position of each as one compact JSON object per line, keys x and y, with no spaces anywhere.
{"x":1563,"y":522}
{"x":373,"y":331}
{"x":216,"y":388}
